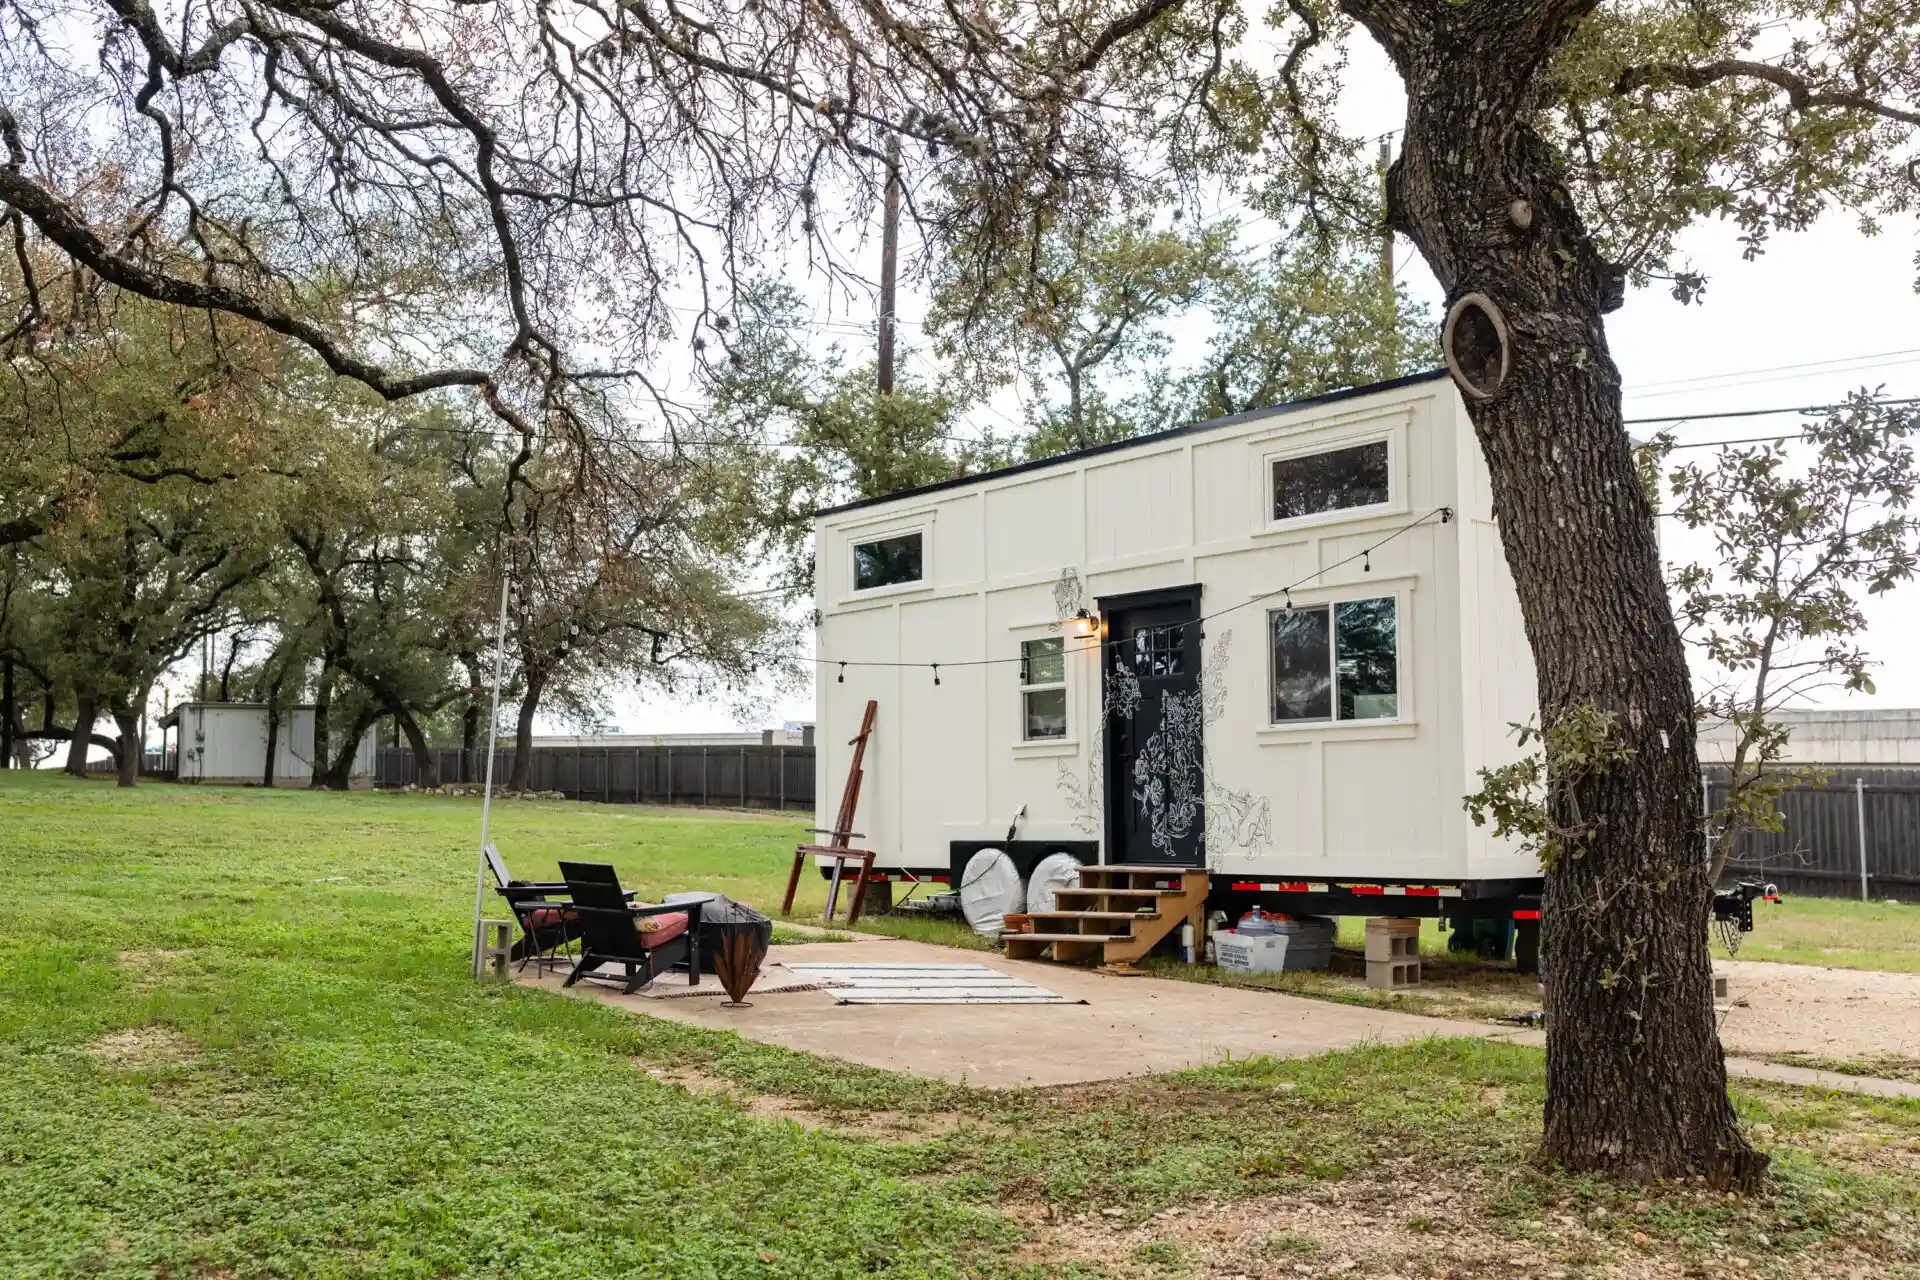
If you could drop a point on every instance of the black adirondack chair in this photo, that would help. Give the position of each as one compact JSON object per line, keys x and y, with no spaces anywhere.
{"x":547,"y":922}
{"x":609,"y":929}
{"x":545,"y":925}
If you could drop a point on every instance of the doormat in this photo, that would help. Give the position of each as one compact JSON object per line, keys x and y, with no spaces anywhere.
{"x":925,"y":984}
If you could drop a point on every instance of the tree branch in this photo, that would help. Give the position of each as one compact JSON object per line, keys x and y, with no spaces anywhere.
{"x":1801,"y":95}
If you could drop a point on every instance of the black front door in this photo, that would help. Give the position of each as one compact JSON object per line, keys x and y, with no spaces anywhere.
{"x":1155,"y":781}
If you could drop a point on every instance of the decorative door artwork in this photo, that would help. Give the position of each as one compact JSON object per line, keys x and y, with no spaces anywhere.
{"x":1156,"y":781}
{"x":1147,"y":783}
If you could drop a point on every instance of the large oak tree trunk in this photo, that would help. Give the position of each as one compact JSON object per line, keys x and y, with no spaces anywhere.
{"x":1636,"y":1083}
{"x":339,"y":771}
{"x":78,"y":745}
{"x":322,"y":723}
{"x":523,"y":734}
{"x":426,"y":762}
{"x":132,"y":747}
{"x":273,"y":741}
{"x":7,"y":723}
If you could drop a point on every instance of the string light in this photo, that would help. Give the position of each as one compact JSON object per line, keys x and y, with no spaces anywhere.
{"x":1365,"y":555}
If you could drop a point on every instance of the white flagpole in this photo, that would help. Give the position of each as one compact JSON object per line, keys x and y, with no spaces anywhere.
{"x":493,"y":725}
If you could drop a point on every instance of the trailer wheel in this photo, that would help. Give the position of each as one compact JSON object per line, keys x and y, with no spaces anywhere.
{"x":1526,"y":946}
{"x":1051,"y":874}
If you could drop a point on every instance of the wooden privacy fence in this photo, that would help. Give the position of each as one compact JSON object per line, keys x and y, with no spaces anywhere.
{"x":745,"y":777}
{"x":1857,"y":836}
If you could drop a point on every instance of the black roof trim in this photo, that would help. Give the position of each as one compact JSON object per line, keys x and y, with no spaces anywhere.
{"x":1331,"y":397}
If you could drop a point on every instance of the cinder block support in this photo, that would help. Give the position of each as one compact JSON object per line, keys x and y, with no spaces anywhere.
{"x":1393,"y":975}
{"x":496,"y":948}
{"x":1393,"y":953}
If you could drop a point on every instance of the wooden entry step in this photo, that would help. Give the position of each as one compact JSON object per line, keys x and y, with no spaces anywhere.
{"x":1117,"y":914}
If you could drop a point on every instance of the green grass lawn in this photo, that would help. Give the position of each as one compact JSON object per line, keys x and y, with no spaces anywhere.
{"x":237,"y":1038}
{"x":1837,"y":932}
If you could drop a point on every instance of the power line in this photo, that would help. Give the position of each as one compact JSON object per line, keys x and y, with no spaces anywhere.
{"x":1680,"y":418}
{"x":1364,"y":555}
{"x":1784,"y":377}
{"x":1777,"y":368}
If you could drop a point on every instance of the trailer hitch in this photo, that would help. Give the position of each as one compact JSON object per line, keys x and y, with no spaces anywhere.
{"x":1733,"y":910}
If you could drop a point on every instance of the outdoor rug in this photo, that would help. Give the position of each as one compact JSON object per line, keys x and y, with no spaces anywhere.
{"x":925,"y":984}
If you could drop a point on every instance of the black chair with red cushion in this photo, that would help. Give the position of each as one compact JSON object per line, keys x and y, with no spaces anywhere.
{"x":546,"y":926}
{"x":645,"y":940}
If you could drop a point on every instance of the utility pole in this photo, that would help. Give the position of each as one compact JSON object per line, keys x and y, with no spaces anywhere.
{"x":508,"y":545}
{"x":206,"y":663}
{"x":1389,"y":342}
{"x":889,"y":256}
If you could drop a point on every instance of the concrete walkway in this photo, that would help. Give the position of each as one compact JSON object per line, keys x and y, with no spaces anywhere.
{"x":1127,"y":1027}
{"x":1874,"y":1086}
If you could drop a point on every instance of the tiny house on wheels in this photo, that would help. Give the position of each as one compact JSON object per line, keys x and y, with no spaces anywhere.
{"x":1257,"y":661}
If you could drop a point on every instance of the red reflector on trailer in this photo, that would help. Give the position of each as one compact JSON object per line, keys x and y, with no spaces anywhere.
{"x":1365,"y":888}
{"x":1423,"y":890}
{"x":1526,"y":915}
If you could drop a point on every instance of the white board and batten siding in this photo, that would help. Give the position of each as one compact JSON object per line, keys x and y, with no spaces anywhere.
{"x":1346,"y":800}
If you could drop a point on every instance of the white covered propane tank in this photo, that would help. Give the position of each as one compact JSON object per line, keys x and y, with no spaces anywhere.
{"x":990,"y":887}
{"x":1051,"y":874}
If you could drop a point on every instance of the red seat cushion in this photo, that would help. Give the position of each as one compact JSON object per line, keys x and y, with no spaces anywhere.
{"x":671,"y":927}
{"x":547,"y":917}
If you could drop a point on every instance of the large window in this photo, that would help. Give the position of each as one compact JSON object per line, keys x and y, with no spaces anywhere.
{"x":1043,"y":689}
{"x":886,"y":562}
{"x":1336,"y":662}
{"x":1337,"y":480}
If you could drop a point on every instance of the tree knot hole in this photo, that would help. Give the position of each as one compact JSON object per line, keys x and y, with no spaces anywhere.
{"x":1475,"y":344}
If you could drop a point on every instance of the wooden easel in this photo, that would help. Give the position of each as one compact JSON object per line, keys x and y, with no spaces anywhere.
{"x":841,"y":835}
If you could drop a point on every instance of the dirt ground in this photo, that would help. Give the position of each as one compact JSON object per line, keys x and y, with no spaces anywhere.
{"x":1836,"y":1013}
{"x":1388,"y":1227}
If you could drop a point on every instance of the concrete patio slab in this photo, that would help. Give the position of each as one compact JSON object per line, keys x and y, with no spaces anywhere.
{"x":1128,"y":1027}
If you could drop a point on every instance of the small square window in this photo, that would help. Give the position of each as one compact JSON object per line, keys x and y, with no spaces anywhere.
{"x":886,"y":562}
{"x":1337,"y":480}
{"x":1160,"y":651}
{"x":1043,"y":689}
{"x":1336,"y":662}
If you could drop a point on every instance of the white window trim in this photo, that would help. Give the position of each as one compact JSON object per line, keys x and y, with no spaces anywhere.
{"x":1401,"y":593}
{"x":1393,"y":433}
{"x":1023,"y":746}
{"x":879,"y":532}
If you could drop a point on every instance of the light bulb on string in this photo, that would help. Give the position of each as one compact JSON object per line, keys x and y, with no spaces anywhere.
{"x":1366,"y":560}
{"x":936,"y":673}
{"x":843,"y":674}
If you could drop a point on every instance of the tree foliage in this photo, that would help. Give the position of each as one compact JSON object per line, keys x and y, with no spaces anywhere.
{"x":1803,"y":530}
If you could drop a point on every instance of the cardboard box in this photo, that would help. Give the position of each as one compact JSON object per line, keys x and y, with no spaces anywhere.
{"x":1250,"y":953}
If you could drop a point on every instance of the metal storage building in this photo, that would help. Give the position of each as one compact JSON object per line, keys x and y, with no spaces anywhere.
{"x":227,"y":742}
